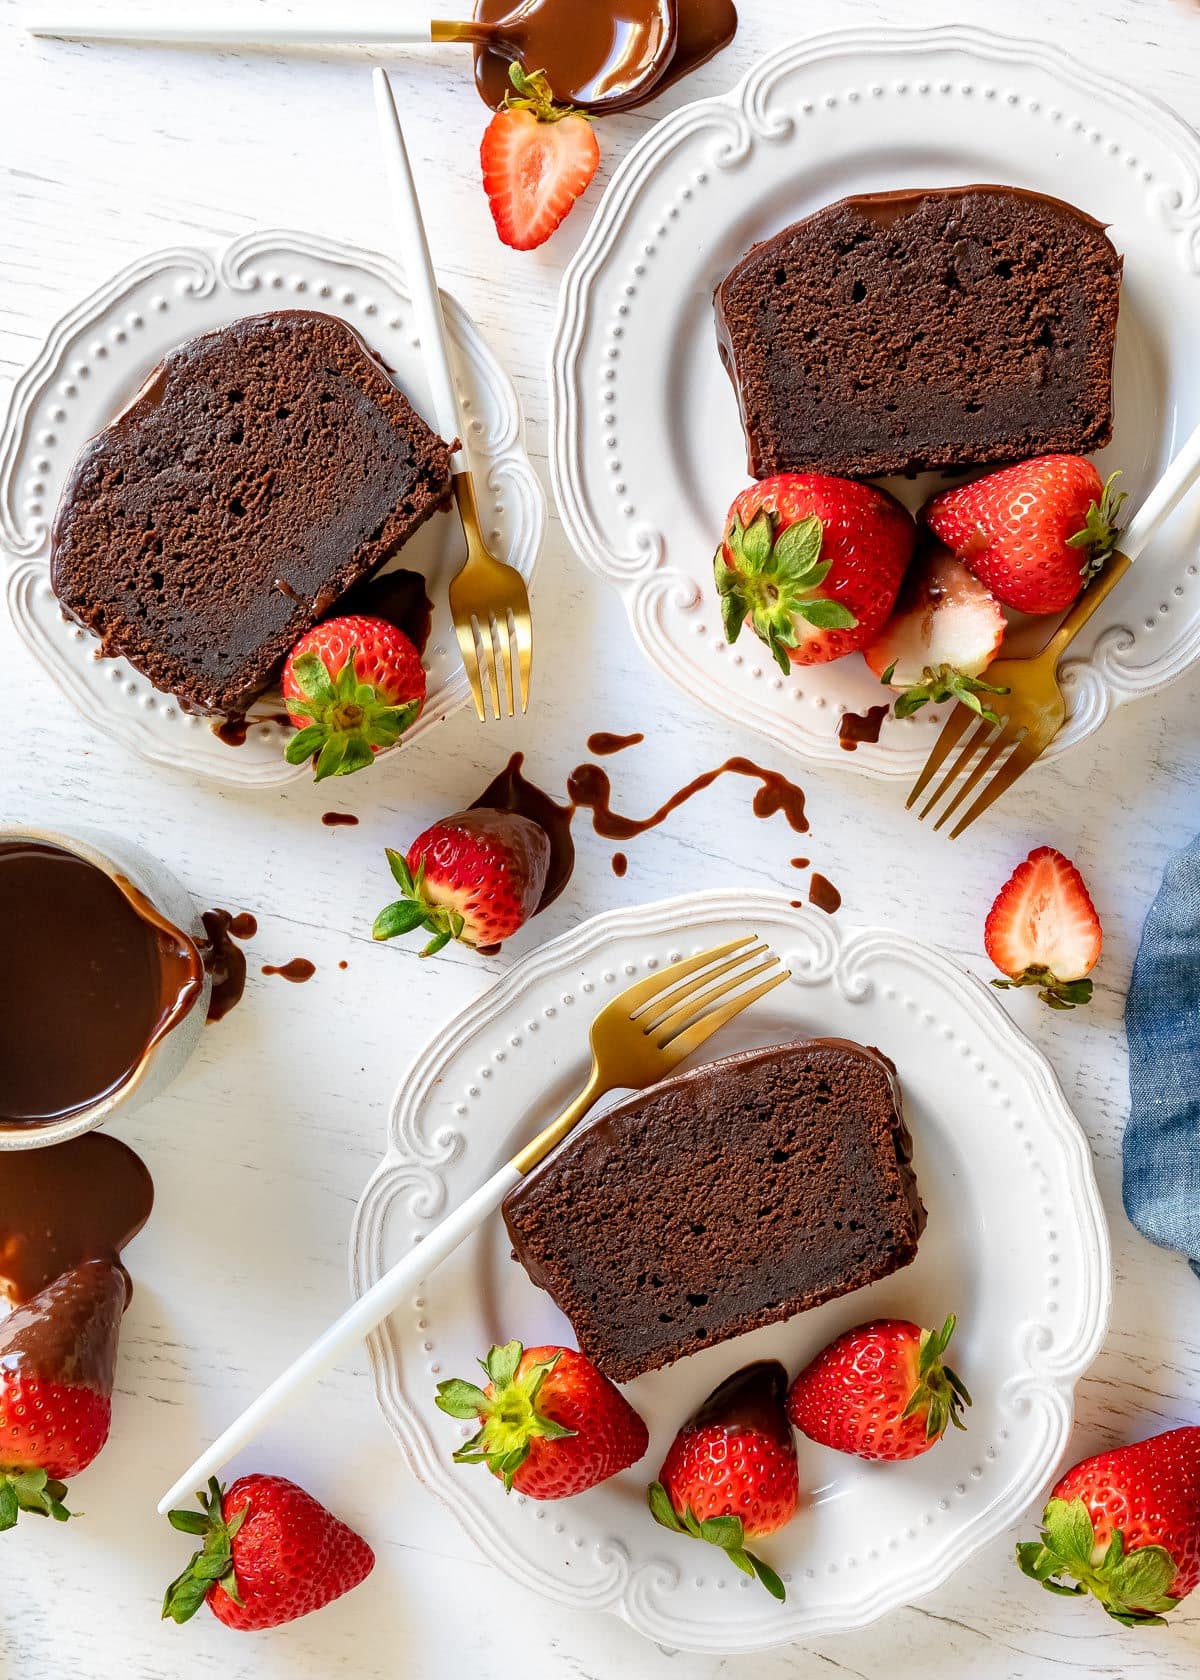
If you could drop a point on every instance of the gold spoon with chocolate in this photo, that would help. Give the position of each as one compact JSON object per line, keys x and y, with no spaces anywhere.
{"x":601,"y":55}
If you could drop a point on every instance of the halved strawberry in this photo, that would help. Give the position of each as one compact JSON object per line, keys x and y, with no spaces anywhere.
{"x":945,"y":632}
{"x":537,"y":158}
{"x":1043,"y":930}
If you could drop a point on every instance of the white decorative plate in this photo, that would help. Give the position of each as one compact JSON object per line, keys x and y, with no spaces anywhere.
{"x":94,"y":362}
{"x":647,"y":450}
{"x":1016,"y":1244}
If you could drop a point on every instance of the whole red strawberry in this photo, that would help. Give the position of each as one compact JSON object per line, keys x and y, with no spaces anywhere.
{"x":1034,"y":533}
{"x":880,"y":1391}
{"x":552,"y":1424}
{"x":352,"y":686}
{"x":812,"y":564}
{"x":731,"y":1475}
{"x":477,"y":877}
{"x":945,"y":632}
{"x":58,"y":1354}
{"x":537,"y":158}
{"x":1125,"y":1526}
{"x":1043,"y":930}
{"x":269,"y":1552}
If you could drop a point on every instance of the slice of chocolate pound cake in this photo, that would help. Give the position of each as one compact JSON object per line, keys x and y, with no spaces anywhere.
{"x":263,"y":470}
{"x":898,"y":332}
{"x":721,"y":1200}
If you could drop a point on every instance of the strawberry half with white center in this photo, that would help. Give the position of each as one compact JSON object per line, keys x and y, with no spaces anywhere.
{"x":537,"y":158}
{"x":269,"y":1553}
{"x":58,"y":1354}
{"x":731,"y":1474}
{"x":813,"y":564}
{"x":552,"y":1424}
{"x":1043,"y":930}
{"x":477,"y":877}
{"x":945,"y":632}
{"x":352,"y":686}
{"x":881,"y":1391}
{"x":1125,"y":1526}
{"x":1034,"y":533}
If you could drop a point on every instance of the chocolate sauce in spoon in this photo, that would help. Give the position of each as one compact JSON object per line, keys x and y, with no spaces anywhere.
{"x":610,"y":55}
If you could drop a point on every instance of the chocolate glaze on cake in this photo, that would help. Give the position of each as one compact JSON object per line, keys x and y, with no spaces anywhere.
{"x":897,"y":332}
{"x":263,"y":470}
{"x":721,"y":1200}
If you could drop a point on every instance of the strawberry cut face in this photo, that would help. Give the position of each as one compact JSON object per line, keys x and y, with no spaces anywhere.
{"x":1043,"y":930}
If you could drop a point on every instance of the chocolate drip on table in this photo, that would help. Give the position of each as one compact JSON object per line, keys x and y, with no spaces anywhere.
{"x":74,"y":939}
{"x":297,"y":970}
{"x":857,"y":727}
{"x":824,"y":894}
{"x":603,"y":744}
{"x":339,"y":819}
{"x":223,"y":960}
{"x":590,"y":788}
{"x":59,"y":1207}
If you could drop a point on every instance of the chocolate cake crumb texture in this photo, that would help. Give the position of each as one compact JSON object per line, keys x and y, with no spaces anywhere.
{"x":722,"y":1200}
{"x":265,"y":468}
{"x":899,"y":332}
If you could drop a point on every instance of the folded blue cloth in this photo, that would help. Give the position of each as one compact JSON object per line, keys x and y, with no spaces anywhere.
{"x":1162,"y":1017}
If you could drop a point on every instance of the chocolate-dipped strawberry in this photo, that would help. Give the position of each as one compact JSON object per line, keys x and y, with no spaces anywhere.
{"x":731,"y":1474}
{"x":476,"y":877}
{"x":58,"y":1355}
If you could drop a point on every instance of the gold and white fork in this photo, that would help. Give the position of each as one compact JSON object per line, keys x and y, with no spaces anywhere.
{"x":638,"y":1038}
{"x":488,"y":598}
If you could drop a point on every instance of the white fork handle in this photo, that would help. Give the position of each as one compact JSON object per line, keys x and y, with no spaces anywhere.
{"x":1180,"y":477}
{"x":418,"y":269}
{"x":357,"y":1321}
{"x":227,"y":32}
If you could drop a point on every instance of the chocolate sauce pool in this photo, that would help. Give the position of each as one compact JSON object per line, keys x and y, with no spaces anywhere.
{"x":91,"y":977}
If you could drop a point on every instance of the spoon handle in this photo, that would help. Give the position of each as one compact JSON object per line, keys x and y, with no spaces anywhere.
{"x":257,"y":31}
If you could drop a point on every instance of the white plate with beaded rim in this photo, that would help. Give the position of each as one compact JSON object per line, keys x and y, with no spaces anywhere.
{"x":1016,"y":1243}
{"x":96,"y":359}
{"x":647,"y":449}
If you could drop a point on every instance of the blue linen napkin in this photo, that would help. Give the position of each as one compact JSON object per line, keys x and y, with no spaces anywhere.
{"x":1162,"y":1018}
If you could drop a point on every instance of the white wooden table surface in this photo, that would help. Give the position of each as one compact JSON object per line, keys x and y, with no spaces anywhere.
{"x":261,"y":1150}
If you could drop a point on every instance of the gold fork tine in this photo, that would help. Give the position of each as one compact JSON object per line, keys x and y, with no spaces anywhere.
{"x":948,"y":738}
{"x":523,"y":632}
{"x":956,"y":769}
{"x":470,"y":659}
{"x":502,"y":656}
{"x":1022,"y":756}
{"x":658,"y":986}
{"x":997,"y":745}
{"x":696,"y":1002}
{"x":684,"y":1043}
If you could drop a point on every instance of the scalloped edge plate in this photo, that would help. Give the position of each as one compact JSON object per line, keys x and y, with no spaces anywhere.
{"x":1015,"y":1221}
{"x":98,"y":356}
{"x":646,"y":449}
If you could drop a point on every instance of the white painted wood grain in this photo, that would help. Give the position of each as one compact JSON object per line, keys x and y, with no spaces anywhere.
{"x":261,"y":1150}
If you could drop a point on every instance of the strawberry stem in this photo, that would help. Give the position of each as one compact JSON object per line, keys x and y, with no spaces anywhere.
{"x":349,"y":720}
{"x":943,"y":682}
{"x":1059,"y":994}
{"x":31,"y":1491}
{"x":210,"y":1566}
{"x":509,"y":1413}
{"x":771,"y":578}
{"x":1134,"y":1587}
{"x":940,"y":1392}
{"x":1099,"y":534}
{"x":728,"y":1533}
{"x":416,"y":909}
